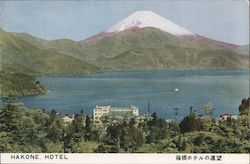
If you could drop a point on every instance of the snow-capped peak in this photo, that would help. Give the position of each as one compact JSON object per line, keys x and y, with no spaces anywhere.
{"x":141,"y":19}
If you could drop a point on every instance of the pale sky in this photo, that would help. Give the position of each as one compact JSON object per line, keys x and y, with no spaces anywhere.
{"x":224,"y":20}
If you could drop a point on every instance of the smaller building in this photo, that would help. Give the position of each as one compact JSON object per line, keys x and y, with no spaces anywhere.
{"x":67,"y":119}
{"x":235,"y":117}
{"x":227,"y":116}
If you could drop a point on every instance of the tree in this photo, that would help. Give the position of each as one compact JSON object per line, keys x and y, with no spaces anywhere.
{"x":90,"y":133}
{"x":132,"y":122}
{"x":157,"y":129}
{"x":208,"y":109}
{"x":88,"y":123}
{"x":124,"y":137}
{"x":114,"y":133}
{"x":20,"y":129}
{"x":190,"y":123}
{"x":53,"y":112}
{"x":9,"y":117}
{"x":176,"y":113}
{"x":244,"y":107}
{"x":55,"y":128}
{"x":78,"y":124}
{"x":81,"y":112}
{"x":153,"y":120}
{"x":101,"y":149}
{"x":9,"y":125}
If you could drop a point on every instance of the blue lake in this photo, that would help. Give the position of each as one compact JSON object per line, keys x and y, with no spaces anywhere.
{"x":69,"y":93}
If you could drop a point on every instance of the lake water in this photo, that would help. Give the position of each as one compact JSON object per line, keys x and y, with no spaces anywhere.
{"x":71,"y":93}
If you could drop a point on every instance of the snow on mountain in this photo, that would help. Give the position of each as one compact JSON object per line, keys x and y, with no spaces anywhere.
{"x":145,"y":18}
{"x":141,"y":19}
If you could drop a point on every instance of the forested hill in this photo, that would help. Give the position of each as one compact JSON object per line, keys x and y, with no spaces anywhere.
{"x":17,"y":84}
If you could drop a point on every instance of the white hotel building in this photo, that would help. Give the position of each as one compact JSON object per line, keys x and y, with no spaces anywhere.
{"x":107,"y":110}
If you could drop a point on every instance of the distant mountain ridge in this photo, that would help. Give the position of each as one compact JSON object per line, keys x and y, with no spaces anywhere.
{"x":26,"y":54}
{"x":142,"y":41}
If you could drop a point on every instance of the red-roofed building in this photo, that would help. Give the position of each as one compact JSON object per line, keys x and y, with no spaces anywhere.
{"x":225,"y":116}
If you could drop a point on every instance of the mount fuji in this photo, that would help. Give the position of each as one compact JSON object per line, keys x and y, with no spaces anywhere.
{"x":142,"y":41}
{"x":149,"y":19}
{"x":147,"y":41}
{"x":142,"y":19}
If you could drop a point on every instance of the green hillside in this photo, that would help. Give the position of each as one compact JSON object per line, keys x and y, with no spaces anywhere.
{"x":26,"y":54}
{"x":150,"y":48}
{"x":17,"y":84}
{"x":174,"y":58}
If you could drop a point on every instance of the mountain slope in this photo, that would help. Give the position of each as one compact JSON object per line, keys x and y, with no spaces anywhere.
{"x":243,"y":50}
{"x":150,"y":48}
{"x":26,"y":54}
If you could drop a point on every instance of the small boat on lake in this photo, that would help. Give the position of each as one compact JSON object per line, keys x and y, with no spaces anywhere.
{"x":176,"y":90}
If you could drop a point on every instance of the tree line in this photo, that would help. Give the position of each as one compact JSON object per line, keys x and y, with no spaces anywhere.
{"x":26,"y":130}
{"x":17,"y":84}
